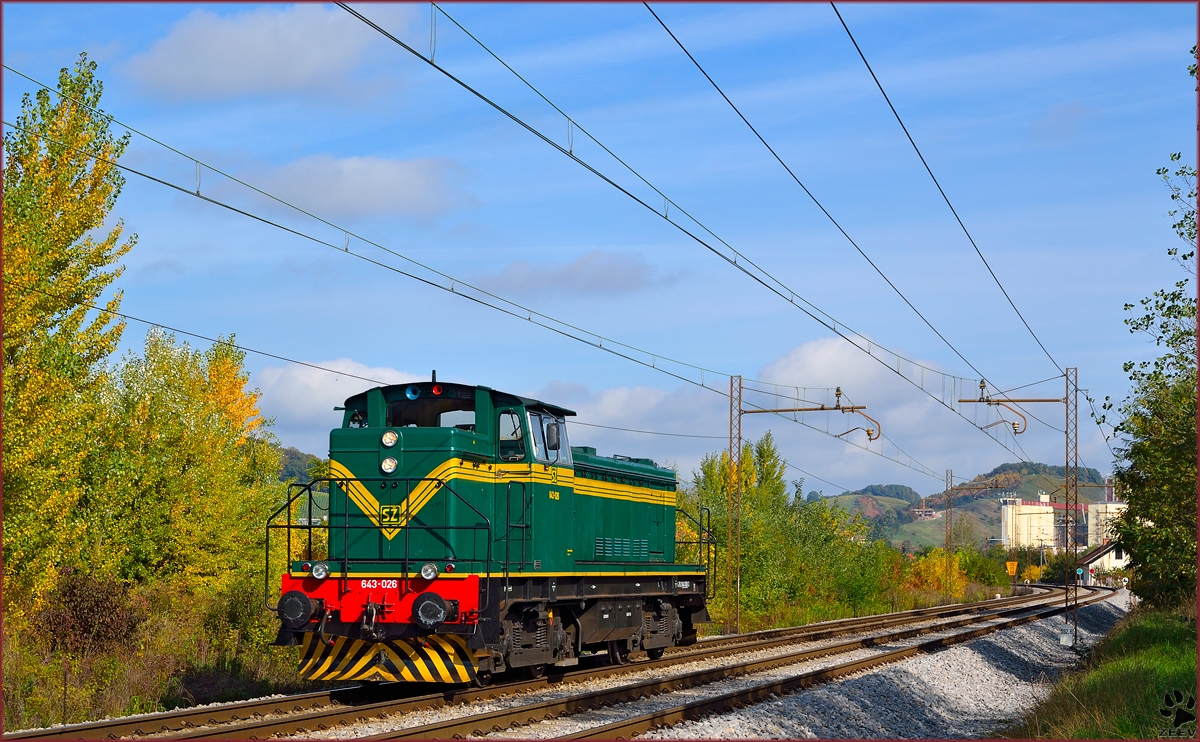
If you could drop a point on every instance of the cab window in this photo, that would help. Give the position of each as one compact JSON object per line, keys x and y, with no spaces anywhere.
{"x":432,"y":412}
{"x":512,"y":442}
{"x":539,"y":422}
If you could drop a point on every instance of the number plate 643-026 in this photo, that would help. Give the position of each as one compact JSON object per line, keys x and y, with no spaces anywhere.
{"x":380,"y":584}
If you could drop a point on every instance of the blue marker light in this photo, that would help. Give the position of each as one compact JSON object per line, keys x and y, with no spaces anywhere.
{"x":412,"y":392}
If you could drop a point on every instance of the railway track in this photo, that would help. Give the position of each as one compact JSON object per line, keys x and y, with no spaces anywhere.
{"x":327,"y":709}
{"x":631,"y":727}
{"x":485,"y":723}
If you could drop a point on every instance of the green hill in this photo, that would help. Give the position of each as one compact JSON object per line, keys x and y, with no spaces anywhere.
{"x":893,"y":491}
{"x":868,"y":505}
{"x":1052,"y":485}
{"x":890,"y":510}
{"x":984,"y":522}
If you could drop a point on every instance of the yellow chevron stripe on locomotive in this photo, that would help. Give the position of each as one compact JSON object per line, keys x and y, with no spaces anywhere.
{"x":433,"y":659}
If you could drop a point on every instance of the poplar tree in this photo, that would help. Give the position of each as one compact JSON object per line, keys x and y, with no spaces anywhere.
{"x":59,"y":258}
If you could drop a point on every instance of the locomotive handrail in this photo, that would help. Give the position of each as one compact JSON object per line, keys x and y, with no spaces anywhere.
{"x":522,"y":526}
{"x":346,"y":527}
{"x":705,"y":543}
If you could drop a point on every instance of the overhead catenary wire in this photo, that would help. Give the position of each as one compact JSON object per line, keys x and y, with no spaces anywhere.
{"x":738,"y":260}
{"x":525,"y":314}
{"x":943,"y":192}
{"x":814,"y":476}
{"x":334,"y":371}
{"x":216,"y":341}
{"x":1026,"y":386}
{"x":824,"y":211}
{"x":717,"y":437}
{"x":647,"y":432}
{"x":810,"y":194}
{"x":597,"y":340}
{"x":1096,"y":419}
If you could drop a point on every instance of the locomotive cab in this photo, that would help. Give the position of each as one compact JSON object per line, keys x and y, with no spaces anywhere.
{"x":463,"y":536}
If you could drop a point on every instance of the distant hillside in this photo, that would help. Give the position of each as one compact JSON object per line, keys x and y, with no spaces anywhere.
{"x":868,"y":505}
{"x":1012,"y":476}
{"x":1089,"y":476}
{"x":889,"y":507}
{"x":896,"y":491}
{"x":294,"y":465}
{"x":933,"y":532}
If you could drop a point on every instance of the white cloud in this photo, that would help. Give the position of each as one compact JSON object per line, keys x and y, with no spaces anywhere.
{"x":597,"y":272}
{"x":271,"y":49}
{"x":364,"y":186}
{"x":301,"y":398}
{"x":920,"y":425}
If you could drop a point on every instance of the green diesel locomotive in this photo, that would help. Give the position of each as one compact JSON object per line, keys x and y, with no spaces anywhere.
{"x":462,"y":536}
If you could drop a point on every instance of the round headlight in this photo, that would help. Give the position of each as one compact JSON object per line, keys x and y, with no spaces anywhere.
{"x":428,"y":571}
{"x":388,"y":465}
{"x":320,"y":570}
{"x":412,"y":392}
{"x":389,"y":439}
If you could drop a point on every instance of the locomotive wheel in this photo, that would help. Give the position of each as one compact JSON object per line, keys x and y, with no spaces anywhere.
{"x":533,"y":672}
{"x":656,"y":653}
{"x":618,"y":653}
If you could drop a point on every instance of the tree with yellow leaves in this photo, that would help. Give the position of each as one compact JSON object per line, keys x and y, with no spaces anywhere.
{"x":185,"y":480}
{"x":59,"y":187}
{"x":931,"y":571}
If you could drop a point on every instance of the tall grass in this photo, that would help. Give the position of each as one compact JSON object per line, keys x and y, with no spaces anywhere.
{"x":1119,"y":692}
{"x":190,"y":650}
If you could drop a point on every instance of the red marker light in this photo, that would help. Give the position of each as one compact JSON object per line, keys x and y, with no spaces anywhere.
{"x":306,"y":567}
{"x":437,"y":389}
{"x":449,"y":567}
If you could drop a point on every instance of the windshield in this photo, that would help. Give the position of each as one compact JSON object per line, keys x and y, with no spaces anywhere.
{"x":538,"y":423}
{"x":432,"y":412}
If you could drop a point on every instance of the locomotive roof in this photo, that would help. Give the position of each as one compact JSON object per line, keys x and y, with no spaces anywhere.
{"x":526,"y":401}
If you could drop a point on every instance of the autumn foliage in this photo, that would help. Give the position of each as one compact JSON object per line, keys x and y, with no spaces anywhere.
{"x":55,"y":197}
{"x":135,"y":489}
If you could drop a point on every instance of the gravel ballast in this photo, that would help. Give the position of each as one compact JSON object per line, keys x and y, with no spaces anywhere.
{"x":603,"y":716}
{"x":969,"y":690}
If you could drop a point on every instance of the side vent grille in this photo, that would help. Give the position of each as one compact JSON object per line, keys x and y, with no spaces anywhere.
{"x":623,"y":549}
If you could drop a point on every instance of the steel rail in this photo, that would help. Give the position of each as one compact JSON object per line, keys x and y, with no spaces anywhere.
{"x":354,"y":701}
{"x":481,"y":724}
{"x":462,"y":726}
{"x":157,"y":723}
{"x":628,"y":728}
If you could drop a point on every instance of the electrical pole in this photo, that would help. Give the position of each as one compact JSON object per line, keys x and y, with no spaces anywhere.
{"x":734,"y":492}
{"x":1071,"y":524}
{"x":1072,"y":487}
{"x":733,"y":585}
{"x":949,"y":534}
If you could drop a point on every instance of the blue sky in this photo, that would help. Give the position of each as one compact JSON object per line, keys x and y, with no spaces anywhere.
{"x":1044,"y":124}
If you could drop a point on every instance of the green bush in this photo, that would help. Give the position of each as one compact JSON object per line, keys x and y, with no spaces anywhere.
{"x":982,"y":570}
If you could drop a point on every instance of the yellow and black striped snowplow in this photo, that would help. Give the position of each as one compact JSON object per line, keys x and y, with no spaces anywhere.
{"x":431,"y":659}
